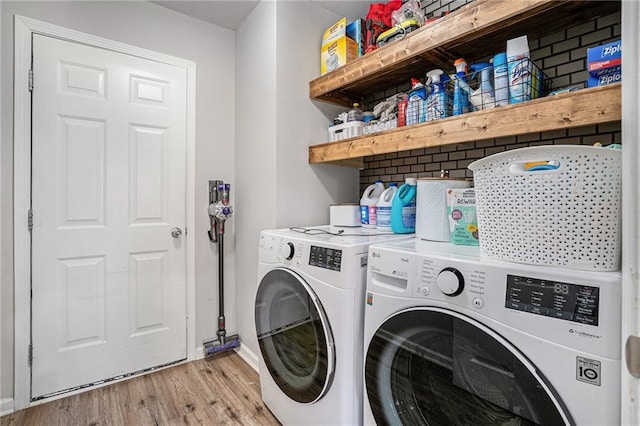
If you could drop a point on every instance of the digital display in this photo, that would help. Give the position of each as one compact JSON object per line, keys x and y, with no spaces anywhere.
{"x":326,"y":258}
{"x":571,"y":302}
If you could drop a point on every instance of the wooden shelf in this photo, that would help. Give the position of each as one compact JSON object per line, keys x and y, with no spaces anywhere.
{"x":573,"y":109}
{"x":476,"y":30}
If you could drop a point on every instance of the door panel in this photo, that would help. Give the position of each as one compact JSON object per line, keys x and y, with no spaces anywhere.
{"x":108,"y":161}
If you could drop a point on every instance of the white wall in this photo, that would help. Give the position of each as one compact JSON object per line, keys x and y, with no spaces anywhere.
{"x":255,"y":159}
{"x":278,"y":46}
{"x":156,"y":28}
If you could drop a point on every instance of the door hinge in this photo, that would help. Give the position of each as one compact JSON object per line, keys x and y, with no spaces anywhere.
{"x":632,"y":355}
{"x":31,"y":80}
{"x":30,"y":219}
{"x":30,"y":354}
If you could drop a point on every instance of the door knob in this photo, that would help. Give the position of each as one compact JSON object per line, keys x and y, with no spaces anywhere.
{"x":176,"y":232}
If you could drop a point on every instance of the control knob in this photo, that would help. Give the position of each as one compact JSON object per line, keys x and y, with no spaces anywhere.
{"x":292,"y":251}
{"x":450,"y":281}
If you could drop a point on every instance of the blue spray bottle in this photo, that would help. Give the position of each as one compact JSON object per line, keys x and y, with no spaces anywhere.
{"x":483,"y":97}
{"x":438,"y":100}
{"x":416,"y":103}
{"x":460,"y":96}
{"x":403,"y":208}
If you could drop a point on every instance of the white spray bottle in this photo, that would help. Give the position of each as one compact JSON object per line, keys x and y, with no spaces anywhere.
{"x":438,"y":100}
{"x":483,"y":97}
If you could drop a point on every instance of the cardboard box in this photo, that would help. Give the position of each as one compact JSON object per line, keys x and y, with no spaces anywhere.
{"x":604,"y":79}
{"x":356,"y":31}
{"x":605,"y":59}
{"x":337,"y":48}
{"x":337,"y":53}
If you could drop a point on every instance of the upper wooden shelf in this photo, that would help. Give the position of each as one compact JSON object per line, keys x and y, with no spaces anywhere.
{"x":596,"y":105}
{"x":476,"y":30}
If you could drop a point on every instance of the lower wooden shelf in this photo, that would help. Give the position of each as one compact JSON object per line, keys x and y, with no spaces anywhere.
{"x":585,"y":107}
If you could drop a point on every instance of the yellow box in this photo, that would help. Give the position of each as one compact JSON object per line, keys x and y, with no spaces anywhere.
{"x":334,"y":32}
{"x":337,"y":53}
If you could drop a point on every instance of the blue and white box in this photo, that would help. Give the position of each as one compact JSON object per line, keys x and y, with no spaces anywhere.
{"x":605,"y":59}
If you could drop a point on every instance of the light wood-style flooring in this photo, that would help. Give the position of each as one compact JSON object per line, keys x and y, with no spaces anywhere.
{"x":220,"y":390}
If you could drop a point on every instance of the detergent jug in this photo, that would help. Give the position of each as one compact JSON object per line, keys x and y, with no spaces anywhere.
{"x":368,"y":204}
{"x":403,"y":208}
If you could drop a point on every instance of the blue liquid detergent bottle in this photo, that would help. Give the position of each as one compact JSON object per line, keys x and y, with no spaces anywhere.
{"x":403,"y":208}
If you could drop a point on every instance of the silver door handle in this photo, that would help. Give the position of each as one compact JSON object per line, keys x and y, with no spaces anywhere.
{"x":176,"y":232}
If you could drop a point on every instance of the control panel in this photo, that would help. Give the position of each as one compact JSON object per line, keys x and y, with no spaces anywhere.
{"x":557,"y":299}
{"x":326,"y":258}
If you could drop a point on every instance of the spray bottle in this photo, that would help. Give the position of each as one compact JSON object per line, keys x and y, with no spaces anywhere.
{"x":416,"y":103}
{"x":438,"y":100}
{"x":460,"y":97}
{"x":483,"y":97}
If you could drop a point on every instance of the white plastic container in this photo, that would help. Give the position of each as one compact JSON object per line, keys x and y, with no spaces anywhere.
{"x":346,"y":130}
{"x":368,"y":204}
{"x":556,"y":205}
{"x":383,"y":208}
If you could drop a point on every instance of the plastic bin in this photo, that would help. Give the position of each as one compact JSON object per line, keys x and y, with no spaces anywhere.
{"x":350,"y":129}
{"x":551,"y":205}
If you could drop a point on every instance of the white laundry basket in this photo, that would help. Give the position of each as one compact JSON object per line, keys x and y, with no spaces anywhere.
{"x":565,"y":212}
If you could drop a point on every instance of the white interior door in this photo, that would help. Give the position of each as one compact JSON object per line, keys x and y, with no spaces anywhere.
{"x":108,"y":187}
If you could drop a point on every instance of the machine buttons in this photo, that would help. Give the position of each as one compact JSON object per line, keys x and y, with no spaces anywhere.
{"x":424,"y":291}
{"x":450,"y":281}
{"x":292,"y":251}
{"x":478,"y":303}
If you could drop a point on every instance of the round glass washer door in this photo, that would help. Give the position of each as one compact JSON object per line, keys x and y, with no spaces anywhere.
{"x":294,"y":335}
{"x":431,"y":366}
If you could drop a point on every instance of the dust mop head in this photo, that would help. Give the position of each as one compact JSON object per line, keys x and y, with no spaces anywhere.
{"x":215,"y":347}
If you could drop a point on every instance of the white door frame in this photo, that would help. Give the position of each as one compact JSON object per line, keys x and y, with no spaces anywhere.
{"x":24,"y":29}
{"x":631,"y":206}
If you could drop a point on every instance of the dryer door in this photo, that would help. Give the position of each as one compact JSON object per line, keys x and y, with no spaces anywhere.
{"x":431,"y":366}
{"x":294,"y":336}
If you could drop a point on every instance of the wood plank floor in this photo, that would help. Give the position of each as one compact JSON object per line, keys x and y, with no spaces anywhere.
{"x":220,"y":390}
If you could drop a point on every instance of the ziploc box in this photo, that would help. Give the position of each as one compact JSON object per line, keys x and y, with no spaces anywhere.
{"x":337,"y":48}
{"x":605,"y":59}
{"x":356,"y":31}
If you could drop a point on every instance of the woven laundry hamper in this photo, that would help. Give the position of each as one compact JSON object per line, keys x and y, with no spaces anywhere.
{"x":556,"y":205}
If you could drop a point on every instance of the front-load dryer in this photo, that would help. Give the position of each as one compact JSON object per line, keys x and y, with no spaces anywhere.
{"x":455,"y":339}
{"x":309,"y":322}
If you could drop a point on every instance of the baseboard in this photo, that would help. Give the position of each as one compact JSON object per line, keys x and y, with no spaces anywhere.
{"x":249,"y":357}
{"x":6,"y":406}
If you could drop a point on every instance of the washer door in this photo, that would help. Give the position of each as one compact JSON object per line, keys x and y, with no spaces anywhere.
{"x":431,"y":366}
{"x":294,"y":336}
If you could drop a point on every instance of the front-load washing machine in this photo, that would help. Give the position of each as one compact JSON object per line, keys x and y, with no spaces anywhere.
{"x":455,"y":339}
{"x":309,"y":322}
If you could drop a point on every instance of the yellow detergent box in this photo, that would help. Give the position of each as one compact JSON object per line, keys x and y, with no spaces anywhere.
{"x":337,"y":48}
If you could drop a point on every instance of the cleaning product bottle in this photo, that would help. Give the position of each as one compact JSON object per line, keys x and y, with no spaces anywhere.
{"x":483,"y":96}
{"x":438,"y":100}
{"x":402,"y":111}
{"x":355,"y":113}
{"x":368,"y":204}
{"x":383,"y":213}
{"x":460,"y":97}
{"x":501,"y":79}
{"x":519,"y":70}
{"x":403,"y":208}
{"x":416,"y":103}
